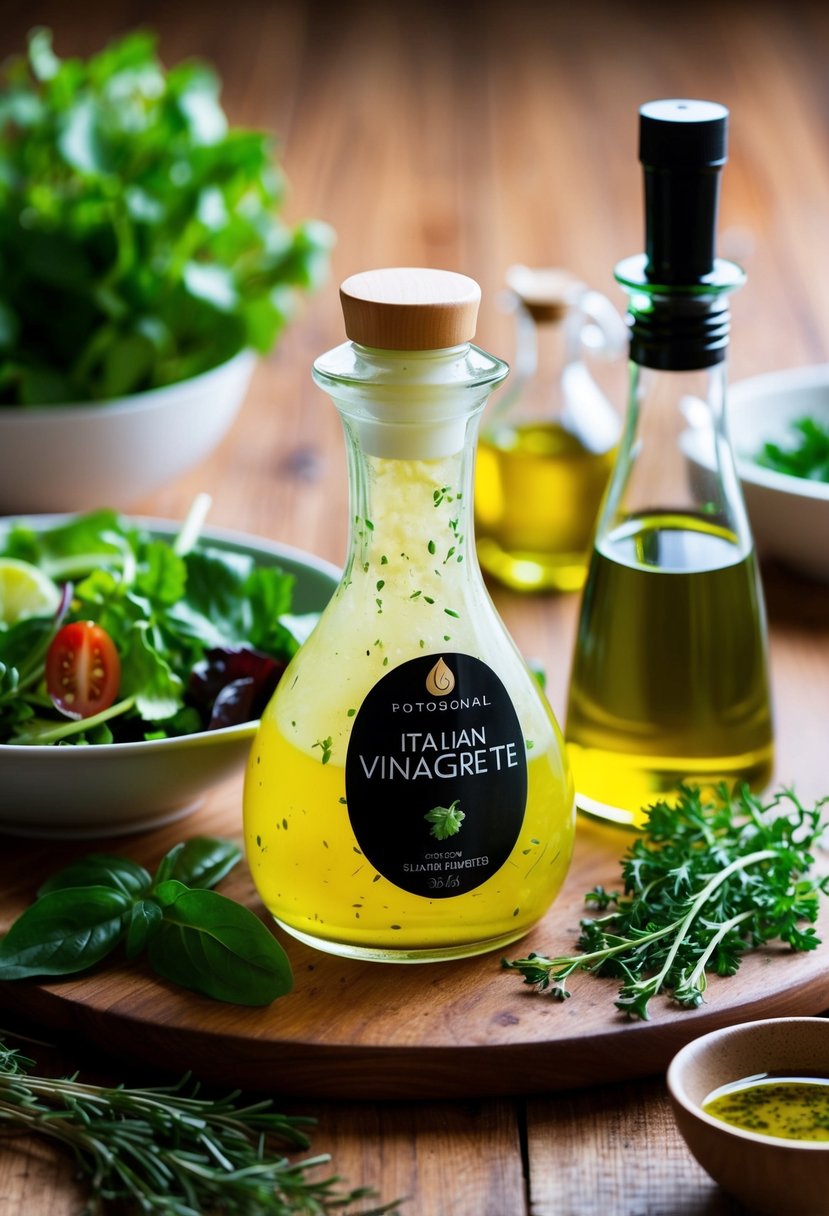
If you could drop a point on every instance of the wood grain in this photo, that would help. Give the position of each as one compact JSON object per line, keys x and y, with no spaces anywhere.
{"x":473,"y":137}
{"x":354,"y":1030}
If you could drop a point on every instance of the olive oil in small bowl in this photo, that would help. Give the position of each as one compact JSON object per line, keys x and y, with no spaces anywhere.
{"x":752,"y":1103}
{"x":785,"y":1105}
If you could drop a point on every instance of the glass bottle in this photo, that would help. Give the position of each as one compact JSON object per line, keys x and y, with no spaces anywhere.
{"x":548,"y":443}
{"x":669,"y":682}
{"x":407,"y":796}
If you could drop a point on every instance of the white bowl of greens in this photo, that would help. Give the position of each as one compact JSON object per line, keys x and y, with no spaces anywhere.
{"x":70,"y":457}
{"x":145,"y":264}
{"x":779,"y":428}
{"x":135,"y":662}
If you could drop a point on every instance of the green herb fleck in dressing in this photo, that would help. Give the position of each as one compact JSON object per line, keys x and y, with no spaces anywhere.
{"x":787,"y":1107}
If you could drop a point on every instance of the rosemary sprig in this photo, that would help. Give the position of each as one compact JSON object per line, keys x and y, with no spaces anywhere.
{"x":170,"y":1151}
{"x":704,"y":883}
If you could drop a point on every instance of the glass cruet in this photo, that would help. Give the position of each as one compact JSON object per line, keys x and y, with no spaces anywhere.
{"x":407,"y":796}
{"x":549,"y":437}
{"x":669,"y":683}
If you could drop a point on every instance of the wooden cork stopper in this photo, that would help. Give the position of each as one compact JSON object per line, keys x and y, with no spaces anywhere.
{"x":409,"y":308}
{"x":546,"y":294}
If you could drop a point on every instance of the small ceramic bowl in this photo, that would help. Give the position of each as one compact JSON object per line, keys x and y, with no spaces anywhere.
{"x":75,"y":457}
{"x":789,"y":515}
{"x":767,"y":1174}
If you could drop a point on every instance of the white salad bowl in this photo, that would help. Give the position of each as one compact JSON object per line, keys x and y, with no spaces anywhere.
{"x":113,"y":789}
{"x":789,"y":515}
{"x":74,"y":457}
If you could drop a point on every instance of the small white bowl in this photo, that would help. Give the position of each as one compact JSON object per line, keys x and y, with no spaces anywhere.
{"x":768,"y":1174}
{"x":789,"y":515}
{"x":110,"y":790}
{"x":75,"y":457}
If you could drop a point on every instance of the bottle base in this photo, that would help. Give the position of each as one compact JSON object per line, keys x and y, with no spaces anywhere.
{"x":404,"y":954}
{"x":530,"y":571}
{"x":622,"y":788}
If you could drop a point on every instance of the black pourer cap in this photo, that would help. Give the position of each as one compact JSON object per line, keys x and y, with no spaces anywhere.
{"x":682,"y":146}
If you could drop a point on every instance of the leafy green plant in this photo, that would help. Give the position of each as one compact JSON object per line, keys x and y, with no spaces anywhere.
{"x":806,"y":454}
{"x":193,"y":936}
{"x":172,"y":1151}
{"x":140,"y":236}
{"x":202,"y":633}
{"x":705,"y":882}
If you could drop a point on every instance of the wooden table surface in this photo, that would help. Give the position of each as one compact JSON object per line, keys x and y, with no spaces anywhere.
{"x":472,"y":136}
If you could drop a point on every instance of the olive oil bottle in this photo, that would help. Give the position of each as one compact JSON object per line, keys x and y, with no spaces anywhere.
{"x":407,"y":796}
{"x":547,"y":446}
{"x":669,"y":682}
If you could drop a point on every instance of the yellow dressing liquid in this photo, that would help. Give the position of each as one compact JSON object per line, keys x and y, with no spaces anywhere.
{"x":788,"y":1108}
{"x":406,"y":599}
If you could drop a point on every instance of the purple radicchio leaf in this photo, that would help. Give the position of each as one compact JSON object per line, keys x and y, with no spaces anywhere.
{"x":233,"y":685}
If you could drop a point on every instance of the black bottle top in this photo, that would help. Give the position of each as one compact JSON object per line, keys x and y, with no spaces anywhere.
{"x":682,"y":147}
{"x":678,"y":313}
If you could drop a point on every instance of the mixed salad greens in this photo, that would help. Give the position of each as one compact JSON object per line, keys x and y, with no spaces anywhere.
{"x":111,"y":634}
{"x":804,"y":454}
{"x":133,"y":211}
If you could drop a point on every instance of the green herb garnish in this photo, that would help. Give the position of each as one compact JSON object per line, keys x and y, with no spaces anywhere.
{"x":133,"y":211}
{"x":325,"y":746}
{"x":704,"y":883}
{"x":170,"y":1150}
{"x":445,"y":820}
{"x":192,"y":935}
{"x":805,"y":455}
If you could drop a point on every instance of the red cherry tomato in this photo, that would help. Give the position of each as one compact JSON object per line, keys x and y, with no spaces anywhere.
{"x":83,"y":670}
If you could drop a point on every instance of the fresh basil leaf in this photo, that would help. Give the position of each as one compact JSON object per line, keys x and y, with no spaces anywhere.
{"x":217,"y":947}
{"x":100,"y":870}
{"x":64,"y":932}
{"x":203,"y":861}
{"x":145,"y":919}
{"x":165,"y":868}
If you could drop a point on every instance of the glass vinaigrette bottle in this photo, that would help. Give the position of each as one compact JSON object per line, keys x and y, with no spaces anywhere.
{"x":407,"y":797}
{"x":669,"y":682}
{"x":548,"y":442}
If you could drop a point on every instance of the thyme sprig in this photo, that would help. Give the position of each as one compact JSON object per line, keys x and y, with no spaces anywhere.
{"x":168,"y":1150}
{"x":706,"y":881}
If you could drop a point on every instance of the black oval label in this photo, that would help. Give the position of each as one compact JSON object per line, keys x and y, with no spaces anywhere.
{"x":436,"y":775}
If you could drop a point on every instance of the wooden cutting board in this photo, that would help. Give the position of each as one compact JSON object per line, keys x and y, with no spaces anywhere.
{"x":378,"y":1031}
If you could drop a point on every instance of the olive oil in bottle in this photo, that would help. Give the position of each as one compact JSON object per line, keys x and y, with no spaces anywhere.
{"x":407,"y":796}
{"x":546,"y":451}
{"x":669,"y":682}
{"x":678,"y":665}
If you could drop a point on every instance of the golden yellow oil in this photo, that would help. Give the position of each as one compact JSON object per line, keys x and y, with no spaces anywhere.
{"x":409,"y":592}
{"x":312,"y":875}
{"x":669,"y":681}
{"x":786,"y":1107}
{"x":537,"y":492}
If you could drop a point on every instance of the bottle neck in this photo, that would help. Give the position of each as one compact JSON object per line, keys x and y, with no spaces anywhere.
{"x":409,"y":405}
{"x":678,"y":328}
{"x":410,"y":513}
{"x":675,"y":458}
